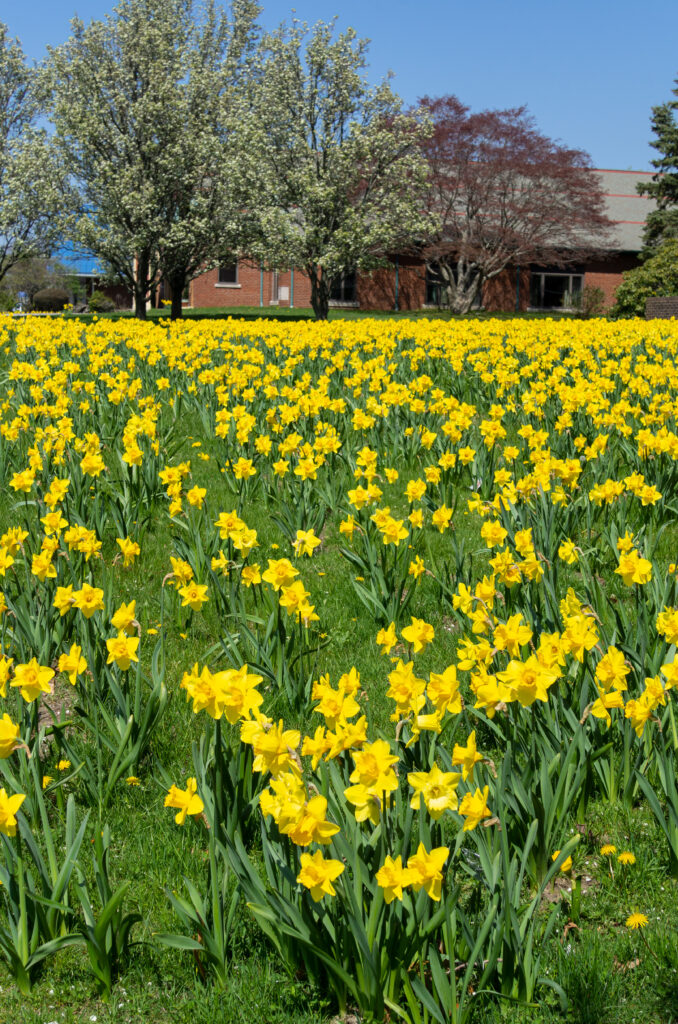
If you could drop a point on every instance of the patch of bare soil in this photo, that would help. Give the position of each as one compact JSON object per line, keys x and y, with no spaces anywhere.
{"x":56,"y":706}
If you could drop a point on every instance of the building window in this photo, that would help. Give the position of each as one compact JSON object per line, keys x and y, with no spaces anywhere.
{"x":344,"y":288}
{"x":228,"y":273}
{"x":555,"y":287}
{"x":435,"y":291}
{"x":433,"y":286}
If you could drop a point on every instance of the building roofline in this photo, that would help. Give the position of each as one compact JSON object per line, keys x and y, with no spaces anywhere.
{"x":615,"y":170}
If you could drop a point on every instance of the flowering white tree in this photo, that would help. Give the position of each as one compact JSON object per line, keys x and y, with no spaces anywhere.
{"x":142,"y":105}
{"x":339,"y":166}
{"x":31,"y":177}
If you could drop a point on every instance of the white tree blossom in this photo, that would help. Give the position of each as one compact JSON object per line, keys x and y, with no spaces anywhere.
{"x":339,"y":166}
{"x":142,"y":108}
{"x":31,"y":177}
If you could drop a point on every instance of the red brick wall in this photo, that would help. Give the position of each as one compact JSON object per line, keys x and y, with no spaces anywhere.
{"x":376,"y":288}
{"x":206,"y":291}
{"x":499,"y":294}
{"x":607,"y":274}
{"x":662,"y":307}
{"x":302,"y":289}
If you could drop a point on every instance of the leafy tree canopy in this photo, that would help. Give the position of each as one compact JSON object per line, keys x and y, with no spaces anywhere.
{"x":501,"y":193}
{"x":662,"y":223}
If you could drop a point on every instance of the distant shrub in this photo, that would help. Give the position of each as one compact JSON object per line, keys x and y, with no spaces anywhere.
{"x":586,"y":303}
{"x":657,"y":276}
{"x":50,"y":300}
{"x":100,"y":303}
{"x":592,"y":301}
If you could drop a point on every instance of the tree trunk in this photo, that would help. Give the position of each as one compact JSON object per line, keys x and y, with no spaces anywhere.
{"x":177,"y":310}
{"x":140,"y":287}
{"x":139,"y":304}
{"x":461,"y":285}
{"x":177,"y":285}
{"x":446,"y":284}
{"x":320,"y":296}
{"x":464,"y":298}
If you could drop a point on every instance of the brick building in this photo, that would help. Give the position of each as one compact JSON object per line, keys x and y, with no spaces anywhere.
{"x":405,"y":286}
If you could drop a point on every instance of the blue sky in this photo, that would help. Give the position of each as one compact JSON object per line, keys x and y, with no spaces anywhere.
{"x":589,"y":72}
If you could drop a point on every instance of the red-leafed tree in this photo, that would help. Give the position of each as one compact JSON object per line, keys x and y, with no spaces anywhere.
{"x":501,"y":193}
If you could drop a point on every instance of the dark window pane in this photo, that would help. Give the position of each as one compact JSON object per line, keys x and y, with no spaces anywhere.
{"x":349,"y":284}
{"x":432,"y":286}
{"x":555,"y":288}
{"x":228,"y":273}
{"x":344,"y":288}
{"x":432,"y":293}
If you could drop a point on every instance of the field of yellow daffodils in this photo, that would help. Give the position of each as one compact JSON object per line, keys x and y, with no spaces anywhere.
{"x":342,"y":654}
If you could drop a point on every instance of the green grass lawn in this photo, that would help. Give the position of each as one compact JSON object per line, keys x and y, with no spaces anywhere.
{"x":306,"y":313}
